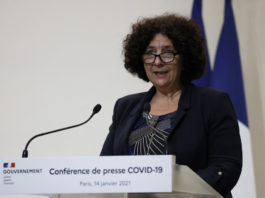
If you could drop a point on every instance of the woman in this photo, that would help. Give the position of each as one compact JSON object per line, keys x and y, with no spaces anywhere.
{"x":196,"y":124}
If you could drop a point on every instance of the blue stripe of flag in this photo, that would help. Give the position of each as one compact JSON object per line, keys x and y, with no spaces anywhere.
{"x":197,"y":16}
{"x":227,"y":74}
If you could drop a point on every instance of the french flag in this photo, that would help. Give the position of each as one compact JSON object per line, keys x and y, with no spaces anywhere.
{"x":227,"y":76}
{"x":9,"y":165}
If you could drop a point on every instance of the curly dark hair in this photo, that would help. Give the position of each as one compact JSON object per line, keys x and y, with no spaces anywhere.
{"x":183,"y":33}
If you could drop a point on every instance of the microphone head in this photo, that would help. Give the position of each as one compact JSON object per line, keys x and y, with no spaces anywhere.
{"x":147,"y":107}
{"x":96,"y":108}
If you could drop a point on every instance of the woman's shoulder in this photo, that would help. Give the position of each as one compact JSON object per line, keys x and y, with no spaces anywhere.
{"x":137,"y":97}
{"x":207,"y":93}
{"x":132,"y":97}
{"x":129,"y":101}
{"x":210,"y":98}
{"x":206,"y":97}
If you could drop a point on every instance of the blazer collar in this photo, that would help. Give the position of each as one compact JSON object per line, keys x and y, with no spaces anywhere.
{"x":147,"y":98}
{"x":185,"y":98}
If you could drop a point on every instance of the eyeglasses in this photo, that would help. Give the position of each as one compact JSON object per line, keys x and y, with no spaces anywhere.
{"x":166,"y":57}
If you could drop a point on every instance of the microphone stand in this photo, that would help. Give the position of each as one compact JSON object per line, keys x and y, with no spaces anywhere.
{"x":25,"y":151}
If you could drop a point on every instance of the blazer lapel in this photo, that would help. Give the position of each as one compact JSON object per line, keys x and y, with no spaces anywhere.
{"x":184,"y":105}
{"x":130,"y":120}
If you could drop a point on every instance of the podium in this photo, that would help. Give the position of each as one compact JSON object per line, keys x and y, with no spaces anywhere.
{"x":113,"y":177}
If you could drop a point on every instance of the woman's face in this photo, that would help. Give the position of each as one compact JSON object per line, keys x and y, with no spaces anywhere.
{"x":164,"y":76}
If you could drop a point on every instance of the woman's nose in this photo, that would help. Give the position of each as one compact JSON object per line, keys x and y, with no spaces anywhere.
{"x":158,"y":61}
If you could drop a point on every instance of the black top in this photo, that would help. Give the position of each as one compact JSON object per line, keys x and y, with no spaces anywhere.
{"x":146,"y":140}
{"x":205,"y":134}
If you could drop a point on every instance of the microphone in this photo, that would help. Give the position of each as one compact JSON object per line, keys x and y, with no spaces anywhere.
{"x":147,"y":116}
{"x":96,"y":109}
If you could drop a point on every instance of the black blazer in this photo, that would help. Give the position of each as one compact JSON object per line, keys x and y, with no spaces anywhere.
{"x":205,"y":136}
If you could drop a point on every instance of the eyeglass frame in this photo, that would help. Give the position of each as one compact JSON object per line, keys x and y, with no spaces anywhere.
{"x":159,"y":55}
